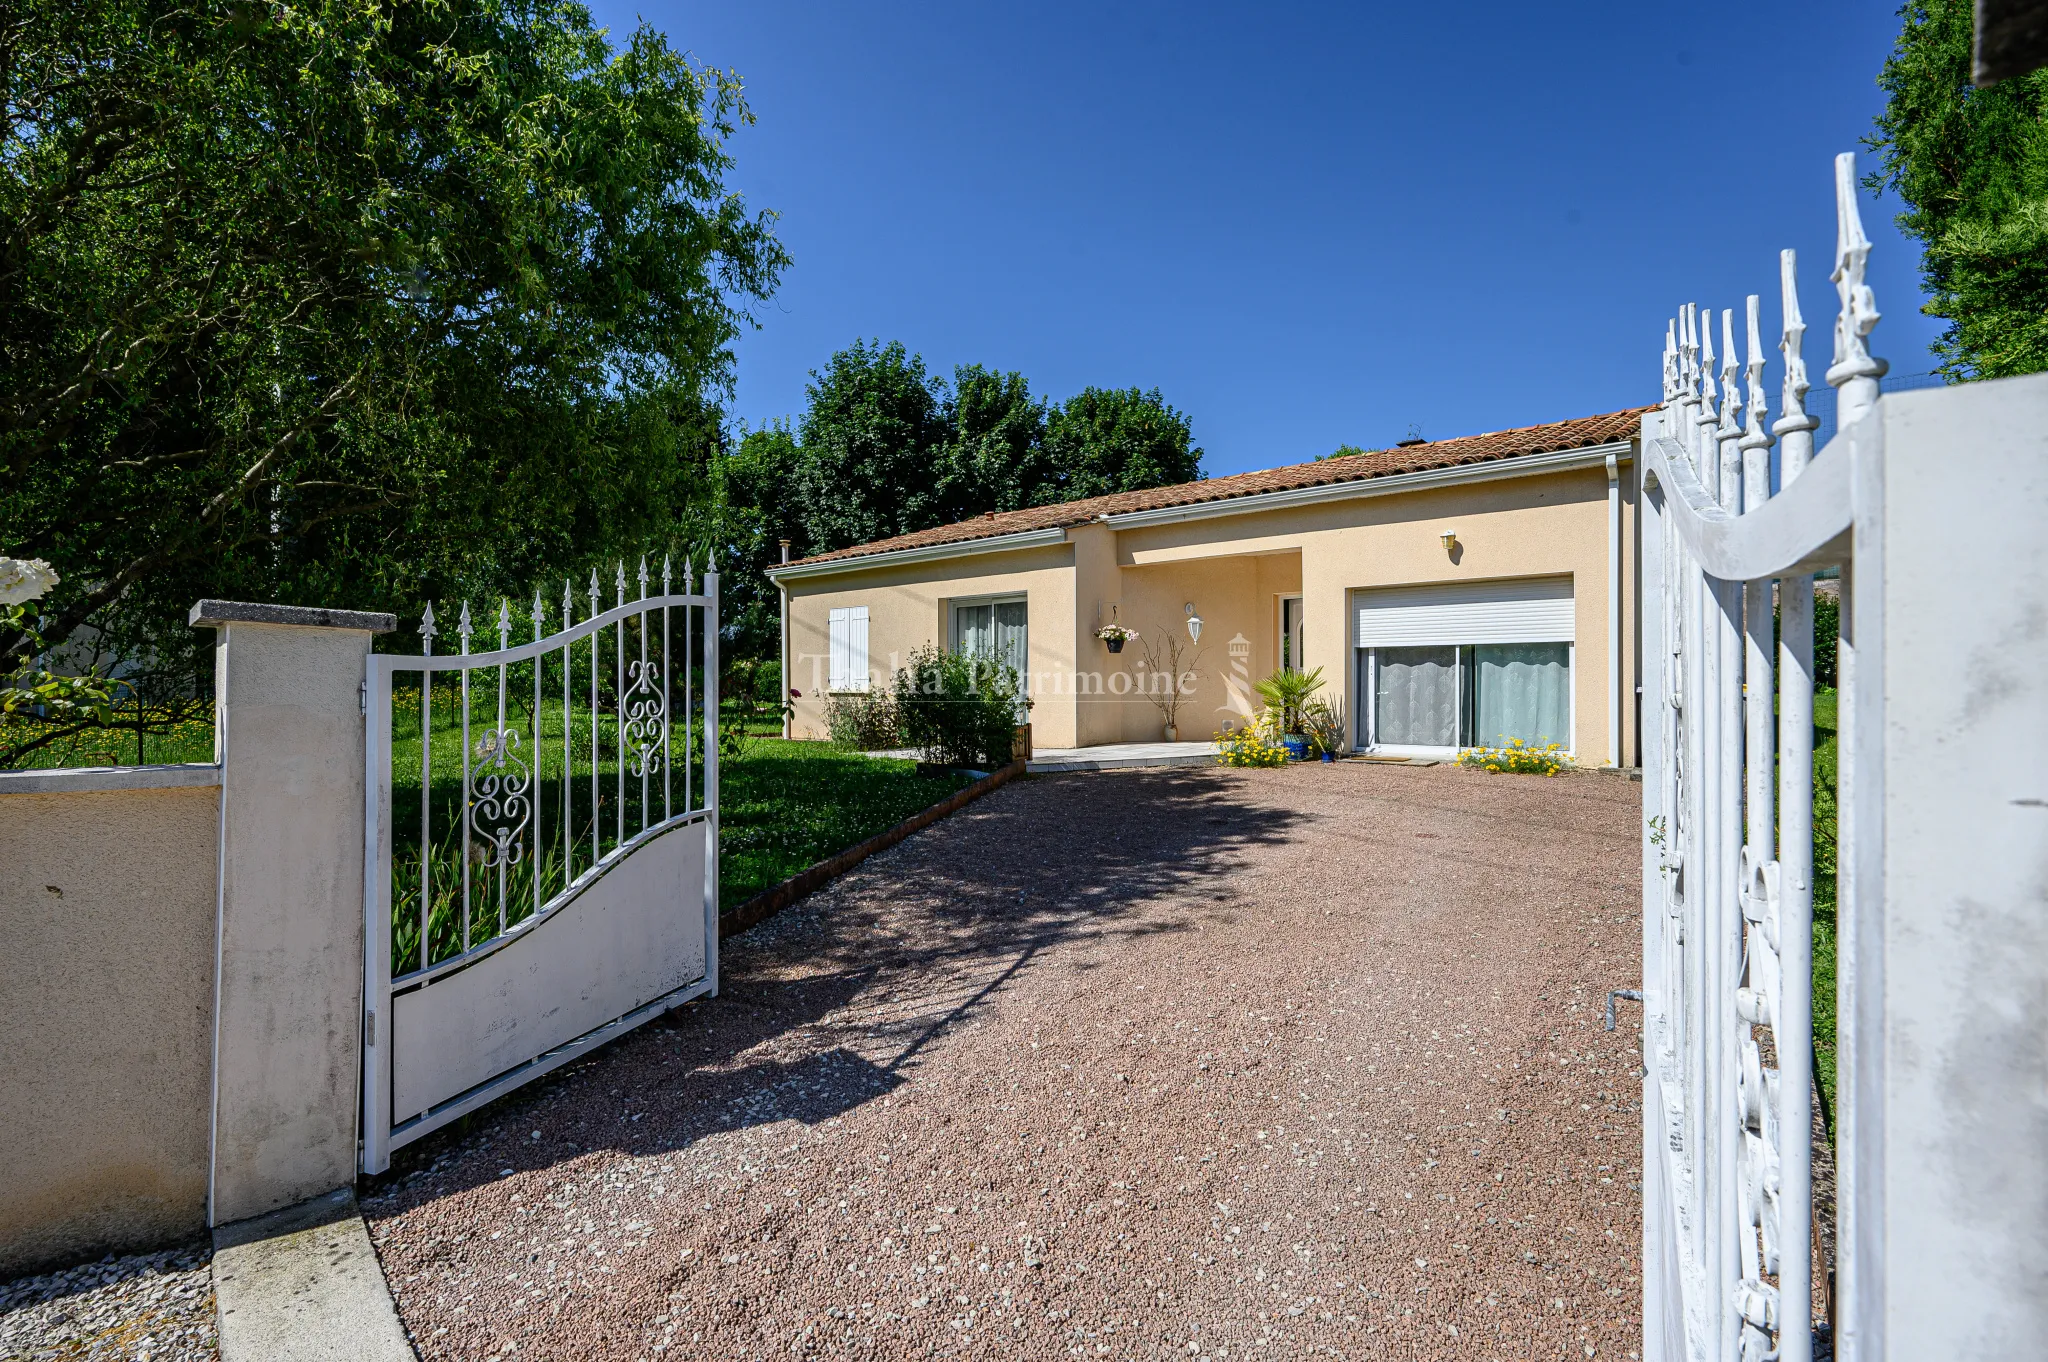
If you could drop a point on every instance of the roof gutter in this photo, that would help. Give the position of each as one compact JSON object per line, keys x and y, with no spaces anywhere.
{"x":1522,"y":466}
{"x":924,"y":553}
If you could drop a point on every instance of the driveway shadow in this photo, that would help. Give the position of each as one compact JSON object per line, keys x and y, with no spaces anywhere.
{"x":834,"y":1003}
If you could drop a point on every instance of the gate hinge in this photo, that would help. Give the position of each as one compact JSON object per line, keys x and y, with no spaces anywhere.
{"x":363,"y":696}
{"x":369,"y":1028}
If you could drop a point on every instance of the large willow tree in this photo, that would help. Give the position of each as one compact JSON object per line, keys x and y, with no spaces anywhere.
{"x":351,"y":303}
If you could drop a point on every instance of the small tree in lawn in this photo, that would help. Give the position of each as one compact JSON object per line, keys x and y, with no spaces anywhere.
{"x":1167,"y":659}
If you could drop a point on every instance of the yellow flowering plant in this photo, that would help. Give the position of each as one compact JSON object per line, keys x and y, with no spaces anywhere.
{"x":1251,"y":745}
{"x":1519,"y":758}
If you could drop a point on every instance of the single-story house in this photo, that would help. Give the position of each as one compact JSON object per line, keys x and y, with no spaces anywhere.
{"x":1454,"y":592}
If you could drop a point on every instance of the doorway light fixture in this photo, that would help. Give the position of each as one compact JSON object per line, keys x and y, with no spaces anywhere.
{"x":1450,"y":538}
{"x":1194,"y":624}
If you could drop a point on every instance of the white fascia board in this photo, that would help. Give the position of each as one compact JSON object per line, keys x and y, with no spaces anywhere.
{"x":1001,"y":543}
{"x":1526,"y":465}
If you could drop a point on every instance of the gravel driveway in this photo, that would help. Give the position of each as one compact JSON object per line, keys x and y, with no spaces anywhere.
{"x":1193,"y":1063}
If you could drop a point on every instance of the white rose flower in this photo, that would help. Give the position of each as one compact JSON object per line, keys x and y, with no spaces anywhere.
{"x":24,"y":579}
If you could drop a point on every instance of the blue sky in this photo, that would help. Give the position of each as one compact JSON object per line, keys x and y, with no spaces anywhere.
{"x":1306,"y":225}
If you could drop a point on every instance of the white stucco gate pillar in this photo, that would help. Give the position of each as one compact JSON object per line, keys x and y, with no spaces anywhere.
{"x":289,"y":929}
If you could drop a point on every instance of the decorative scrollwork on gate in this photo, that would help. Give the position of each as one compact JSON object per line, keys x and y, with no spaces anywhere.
{"x":645,"y":707}
{"x":500,"y":798}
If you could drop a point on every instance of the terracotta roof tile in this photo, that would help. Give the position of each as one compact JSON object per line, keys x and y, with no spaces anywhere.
{"x":1469,"y":449}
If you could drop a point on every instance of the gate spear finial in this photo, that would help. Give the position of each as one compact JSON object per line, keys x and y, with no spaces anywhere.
{"x":1756,"y":441}
{"x":1795,"y":427}
{"x":1858,"y":314}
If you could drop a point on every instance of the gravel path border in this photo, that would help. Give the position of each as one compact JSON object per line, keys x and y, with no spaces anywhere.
{"x":138,"y":1307}
{"x":1196,"y":1063}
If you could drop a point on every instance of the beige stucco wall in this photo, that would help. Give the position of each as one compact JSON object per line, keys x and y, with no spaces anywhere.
{"x":1235,"y":569}
{"x":1521,"y":527}
{"x":106,"y":1019}
{"x":909,"y":607}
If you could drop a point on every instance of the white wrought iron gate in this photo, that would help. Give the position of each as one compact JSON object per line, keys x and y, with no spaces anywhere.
{"x":1728,"y":800}
{"x":1930,"y":503}
{"x":541,"y":852}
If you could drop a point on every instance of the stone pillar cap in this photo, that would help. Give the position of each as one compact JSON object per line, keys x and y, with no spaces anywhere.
{"x":214,"y":614}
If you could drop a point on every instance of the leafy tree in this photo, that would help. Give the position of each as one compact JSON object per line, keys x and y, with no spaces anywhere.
{"x":870,"y":435}
{"x":337,"y":302}
{"x":1105,"y":440}
{"x":885,"y":447}
{"x":753,"y":513}
{"x":1972,"y":167}
{"x":994,"y":458}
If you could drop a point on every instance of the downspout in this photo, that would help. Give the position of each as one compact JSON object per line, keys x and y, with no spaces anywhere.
{"x":782,"y":700}
{"x":1613,"y":611}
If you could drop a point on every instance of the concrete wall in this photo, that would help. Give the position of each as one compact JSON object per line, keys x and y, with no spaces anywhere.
{"x":106,"y":1018}
{"x":1234,"y":569}
{"x":181,"y":1023}
{"x":1945,"y":1049}
{"x":288,"y":1061}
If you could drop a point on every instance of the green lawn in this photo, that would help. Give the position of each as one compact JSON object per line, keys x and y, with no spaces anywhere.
{"x":787,"y":805}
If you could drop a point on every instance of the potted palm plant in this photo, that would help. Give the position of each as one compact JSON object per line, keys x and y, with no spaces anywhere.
{"x":1286,"y":692}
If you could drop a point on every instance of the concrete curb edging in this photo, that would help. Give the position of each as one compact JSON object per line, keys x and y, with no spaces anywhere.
{"x":304,"y":1285}
{"x":769,"y":902}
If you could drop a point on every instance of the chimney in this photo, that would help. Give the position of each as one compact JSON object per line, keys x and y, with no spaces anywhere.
{"x":785,"y":549}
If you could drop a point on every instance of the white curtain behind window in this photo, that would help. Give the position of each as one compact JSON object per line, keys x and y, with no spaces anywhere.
{"x":1524,"y":692}
{"x":973,"y":632}
{"x":1008,"y":644}
{"x":1417,"y":700}
{"x":997,"y":631}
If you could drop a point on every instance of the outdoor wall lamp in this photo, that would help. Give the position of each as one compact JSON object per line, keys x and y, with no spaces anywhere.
{"x":1194,"y":624}
{"x":1450,"y":538}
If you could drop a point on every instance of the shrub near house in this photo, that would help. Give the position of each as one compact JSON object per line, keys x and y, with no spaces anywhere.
{"x":957,"y":709}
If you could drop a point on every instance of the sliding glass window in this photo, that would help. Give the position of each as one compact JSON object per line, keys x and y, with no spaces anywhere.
{"x":1475,"y":695}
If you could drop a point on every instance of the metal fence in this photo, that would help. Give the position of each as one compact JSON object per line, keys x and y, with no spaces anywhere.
{"x":1729,"y":867}
{"x":504,"y":791}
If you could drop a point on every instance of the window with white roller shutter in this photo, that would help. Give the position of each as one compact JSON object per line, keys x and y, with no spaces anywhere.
{"x":1465,"y":664}
{"x":848,"y":638}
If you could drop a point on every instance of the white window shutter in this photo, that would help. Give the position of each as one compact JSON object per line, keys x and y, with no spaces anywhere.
{"x":857,"y":648}
{"x":837,"y":640}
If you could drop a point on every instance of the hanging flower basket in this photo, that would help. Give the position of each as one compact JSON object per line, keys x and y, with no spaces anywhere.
{"x":1114,"y":636}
